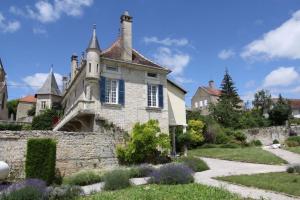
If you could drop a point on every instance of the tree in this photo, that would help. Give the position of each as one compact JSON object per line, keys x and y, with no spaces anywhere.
{"x":12,"y":106}
{"x":262,"y":101}
{"x":280,"y":112}
{"x":31,"y":111}
{"x":194,"y":135}
{"x":227,"y":110}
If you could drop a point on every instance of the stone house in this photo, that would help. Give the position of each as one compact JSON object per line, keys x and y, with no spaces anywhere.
{"x":25,"y":104}
{"x":118,"y":85}
{"x":204,"y":96}
{"x":3,"y":93}
{"x":295,"y":106}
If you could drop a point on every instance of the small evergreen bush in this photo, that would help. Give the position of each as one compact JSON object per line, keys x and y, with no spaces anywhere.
{"x":222,"y":138}
{"x":116,"y":179}
{"x":173,"y":173}
{"x":293,"y":141}
{"x":83,"y":178}
{"x":239,"y":136}
{"x":290,"y":169}
{"x":40,"y":159}
{"x":196,"y":164}
{"x":294,"y":168}
{"x":257,"y":143}
{"x":275,"y":141}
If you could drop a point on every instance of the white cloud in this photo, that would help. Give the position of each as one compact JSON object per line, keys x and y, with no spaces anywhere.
{"x":39,"y":30}
{"x":36,"y":80}
{"x":176,"y":61}
{"x":282,"y":76}
{"x":226,"y":53}
{"x":281,"y":42}
{"x":45,"y":11}
{"x":8,"y":26}
{"x":167,"y":41}
{"x":183,"y":80}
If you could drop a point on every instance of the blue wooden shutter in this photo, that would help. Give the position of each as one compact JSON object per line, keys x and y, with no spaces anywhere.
{"x":121,"y":92}
{"x":102,"y":89}
{"x":161,"y":96}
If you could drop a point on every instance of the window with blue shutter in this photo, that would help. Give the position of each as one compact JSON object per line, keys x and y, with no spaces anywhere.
{"x":121,"y":92}
{"x":102,"y":89}
{"x":161,"y":96}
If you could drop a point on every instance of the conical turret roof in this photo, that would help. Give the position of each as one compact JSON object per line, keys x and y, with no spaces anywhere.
{"x":50,"y":86}
{"x":94,"y":44}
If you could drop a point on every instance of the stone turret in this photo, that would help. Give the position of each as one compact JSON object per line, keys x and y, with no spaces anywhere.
{"x":126,"y":36}
{"x":74,"y":66}
{"x":93,"y":57}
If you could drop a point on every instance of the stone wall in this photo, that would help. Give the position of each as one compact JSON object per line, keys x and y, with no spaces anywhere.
{"x":268,"y":134}
{"x":75,"y":150}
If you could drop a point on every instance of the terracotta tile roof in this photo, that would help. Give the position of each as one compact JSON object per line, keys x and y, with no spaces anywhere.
{"x":114,"y":52}
{"x":294,"y":103}
{"x":28,"y":99}
{"x":212,"y":91}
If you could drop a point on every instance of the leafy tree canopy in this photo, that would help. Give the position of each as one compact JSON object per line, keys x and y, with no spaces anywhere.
{"x":262,"y":101}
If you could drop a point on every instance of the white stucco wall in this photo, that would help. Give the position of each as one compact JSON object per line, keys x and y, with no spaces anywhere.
{"x":177,"y":110}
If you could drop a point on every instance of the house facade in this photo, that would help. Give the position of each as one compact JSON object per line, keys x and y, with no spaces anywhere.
{"x":3,"y":93}
{"x":25,"y":104}
{"x":204,"y":96}
{"x":295,"y":106}
{"x":119,"y":85}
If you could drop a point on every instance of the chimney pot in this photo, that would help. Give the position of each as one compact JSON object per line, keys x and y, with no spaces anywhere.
{"x":211,"y":84}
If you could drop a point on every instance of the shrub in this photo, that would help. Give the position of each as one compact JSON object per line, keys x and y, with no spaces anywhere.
{"x":173,"y":173}
{"x":65,"y":192}
{"x":45,"y":120}
{"x":117,"y":179}
{"x":40,"y":159}
{"x":294,"y":168}
{"x":194,"y":135}
{"x":230,"y":145}
{"x":144,"y":143}
{"x":275,"y":141}
{"x":196,"y":164}
{"x":222,"y":138}
{"x":239,"y":136}
{"x":83,"y":178}
{"x":256,"y":143}
{"x":294,"y":140}
{"x":143,"y":170}
{"x":26,"y":193}
{"x":11,"y":127}
{"x":30,"y":189}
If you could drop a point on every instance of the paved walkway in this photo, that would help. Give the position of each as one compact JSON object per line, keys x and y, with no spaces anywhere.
{"x":227,"y":168}
{"x":291,"y":157}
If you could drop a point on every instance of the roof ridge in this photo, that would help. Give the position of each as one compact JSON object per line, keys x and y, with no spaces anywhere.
{"x":111,"y":46}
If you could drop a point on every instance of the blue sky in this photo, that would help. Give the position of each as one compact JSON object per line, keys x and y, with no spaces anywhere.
{"x":258,"y":41}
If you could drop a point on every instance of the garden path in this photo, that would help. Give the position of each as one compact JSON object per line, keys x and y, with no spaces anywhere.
{"x":290,"y":157}
{"x":226,"y":168}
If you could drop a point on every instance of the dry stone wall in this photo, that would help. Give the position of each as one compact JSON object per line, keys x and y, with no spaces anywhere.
{"x":268,"y":134}
{"x":75,"y":150}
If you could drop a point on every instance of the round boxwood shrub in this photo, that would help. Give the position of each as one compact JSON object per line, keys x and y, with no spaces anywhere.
{"x":116,"y":179}
{"x":257,"y":143}
{"x":275,"y":141}
{"x":173,"y":173}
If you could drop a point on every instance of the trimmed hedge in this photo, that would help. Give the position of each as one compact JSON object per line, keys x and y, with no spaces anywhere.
{"x":10,"y":127}
{"x":40,"y":159}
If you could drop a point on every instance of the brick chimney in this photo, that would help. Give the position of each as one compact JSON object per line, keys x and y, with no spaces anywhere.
{"x":74,"y":65}
{"x":211,"y":84}
{"x":126,"y":36}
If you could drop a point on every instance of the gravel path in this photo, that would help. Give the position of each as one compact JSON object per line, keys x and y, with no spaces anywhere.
{"x":290,"y":157}
{"x":226,"y":168}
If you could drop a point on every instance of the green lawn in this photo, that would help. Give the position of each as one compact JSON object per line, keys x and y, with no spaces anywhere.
{"x":294,"y":149}
{"x":247,"y":154}
{"x":166,"y":192}
{"x":279,"y":181}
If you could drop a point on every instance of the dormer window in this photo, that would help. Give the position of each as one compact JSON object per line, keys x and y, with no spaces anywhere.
{"x":152,"y":75}
{"x":112,"y":68}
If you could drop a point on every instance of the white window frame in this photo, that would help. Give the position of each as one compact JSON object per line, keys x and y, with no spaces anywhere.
{"x":205,"y":102}
{"x":196,"y":104}
{"x":152,"y":96}
{"x":201,"y":104}
{"x":43,"y":105}
{"x":109,"y":98}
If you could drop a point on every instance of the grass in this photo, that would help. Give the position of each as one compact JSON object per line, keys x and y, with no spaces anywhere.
{"x":247,"y":154}
{"x":294,"y":149}
{"x":278,"y":181}
{"x":166,"y":192}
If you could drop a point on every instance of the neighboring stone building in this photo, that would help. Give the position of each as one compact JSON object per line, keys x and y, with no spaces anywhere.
{"x":3,"y":93}
{"x":48,"y":95}
{"x":295,"y":106}
{"x":119,"y":85}
{"x":204,"y":96}
{"x":25,"y":104}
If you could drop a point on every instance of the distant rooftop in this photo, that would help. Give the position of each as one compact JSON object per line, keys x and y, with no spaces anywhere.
{"x":28,"y":99}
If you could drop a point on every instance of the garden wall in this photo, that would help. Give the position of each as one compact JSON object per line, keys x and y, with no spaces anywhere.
{"x":268,"y":134}
{"x":75,"y":150}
